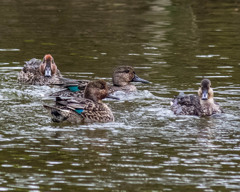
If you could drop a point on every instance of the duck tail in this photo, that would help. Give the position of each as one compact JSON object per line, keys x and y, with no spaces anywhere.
{"x":58,"y":114}
{"x":59,"y":98}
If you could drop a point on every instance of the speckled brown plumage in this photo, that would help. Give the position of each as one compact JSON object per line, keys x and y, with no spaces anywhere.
{"x":81,"y":84}
{"x":32,"y":74}
{"x":202,"y":104}
{"x":93,"y":108}
{"x":187,"y":105}
{"x":67,"y":93}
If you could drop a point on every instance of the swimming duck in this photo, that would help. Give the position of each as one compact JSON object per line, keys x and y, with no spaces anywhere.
{"x":88,"y":109}
{"x":122,"y":78}
{"x":202,"y":104}
{"x":37,"y":72}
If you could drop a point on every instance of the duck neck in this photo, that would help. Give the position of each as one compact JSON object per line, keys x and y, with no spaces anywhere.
{"x":121,"y":84}
{"x":92,"y":97}
{"x":207,"y":102}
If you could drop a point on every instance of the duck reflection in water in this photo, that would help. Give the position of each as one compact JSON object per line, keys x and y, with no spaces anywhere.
{"x":202,"y":104}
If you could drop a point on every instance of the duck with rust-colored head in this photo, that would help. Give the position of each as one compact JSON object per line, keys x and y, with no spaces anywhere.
{"x":88,"y":109}
{"x":202,"y":104}
{"x":122,"y":78}
{"x":37,"y":72}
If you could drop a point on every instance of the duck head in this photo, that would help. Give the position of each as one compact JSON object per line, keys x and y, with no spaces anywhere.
{"x":96,"y":90}
{"x":205,"y":92}
{"x":48,"y":67}
{"x":123,"y":75}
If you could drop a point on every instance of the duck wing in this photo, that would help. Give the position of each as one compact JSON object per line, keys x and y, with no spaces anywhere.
{"x":67,"y":93}
{"x":79,"y":110}
{"x":73,"y":88}
{"x":75,"y":103}
{"x":67,"y":82}
{"x":32,"y":65}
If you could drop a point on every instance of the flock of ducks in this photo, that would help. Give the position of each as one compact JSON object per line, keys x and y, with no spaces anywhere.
{"x":81,"y":101}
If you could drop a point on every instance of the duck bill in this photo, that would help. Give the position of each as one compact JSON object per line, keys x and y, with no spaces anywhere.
{"x":47,"y":71}
{"x":205,"y":94}
{"x":138,"y":79}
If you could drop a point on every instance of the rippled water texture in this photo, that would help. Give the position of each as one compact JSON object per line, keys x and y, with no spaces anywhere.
{"x":173,"y":44}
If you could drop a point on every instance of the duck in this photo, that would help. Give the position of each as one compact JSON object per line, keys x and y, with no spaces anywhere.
{"x":37,"y":72}
{"x":202,"y":104}
{"x":122,"y":78}
{"x":88,"y":109}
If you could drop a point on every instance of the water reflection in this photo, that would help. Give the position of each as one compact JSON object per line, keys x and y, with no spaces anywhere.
{"x":170,"y":43}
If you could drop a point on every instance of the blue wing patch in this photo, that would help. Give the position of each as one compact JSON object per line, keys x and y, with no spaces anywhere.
{"x":73,"y":88}
{"x":79,"y":111}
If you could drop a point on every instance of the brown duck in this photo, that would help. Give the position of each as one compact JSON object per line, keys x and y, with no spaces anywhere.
{"x":121,"y":78}
{"x":37,"y":72}
{"x":88,"y":109}
{"x":202,"y":104}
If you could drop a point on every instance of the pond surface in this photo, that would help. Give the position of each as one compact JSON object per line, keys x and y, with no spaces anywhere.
{"x":173,"y":44}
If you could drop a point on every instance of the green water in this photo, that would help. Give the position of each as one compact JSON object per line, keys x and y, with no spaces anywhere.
{"x":173,"y":44}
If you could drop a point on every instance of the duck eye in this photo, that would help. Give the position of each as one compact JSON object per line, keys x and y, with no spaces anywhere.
{"x":102,"y":86}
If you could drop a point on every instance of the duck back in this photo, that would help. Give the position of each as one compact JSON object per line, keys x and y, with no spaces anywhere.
{"x":186,"y":105}
{"x":80,"y":110}
{"x":30,"y":74}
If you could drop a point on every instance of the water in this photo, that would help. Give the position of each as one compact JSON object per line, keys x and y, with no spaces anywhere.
{"x":173,"y":44}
